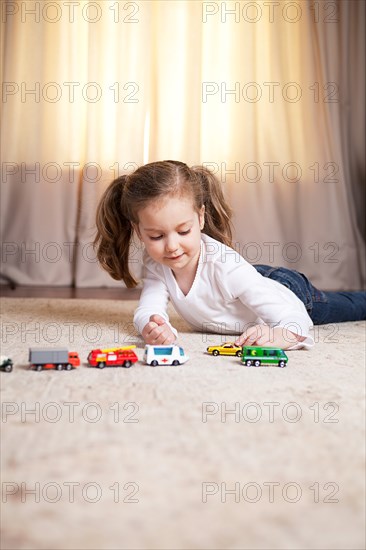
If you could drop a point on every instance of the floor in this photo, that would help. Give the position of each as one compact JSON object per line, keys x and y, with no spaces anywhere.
{"x":69,"y":292}
{"x":205,"y":456}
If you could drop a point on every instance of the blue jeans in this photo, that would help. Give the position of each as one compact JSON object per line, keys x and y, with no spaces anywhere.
{"x":322,"y":307}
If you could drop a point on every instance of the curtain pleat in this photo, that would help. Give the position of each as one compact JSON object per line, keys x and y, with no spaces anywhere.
{"x":271,"y":101}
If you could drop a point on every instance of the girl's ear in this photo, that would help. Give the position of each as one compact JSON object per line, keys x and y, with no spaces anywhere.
{"x":201,"y":216}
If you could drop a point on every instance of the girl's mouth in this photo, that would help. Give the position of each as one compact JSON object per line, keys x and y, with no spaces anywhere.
{"x":174,"y":258}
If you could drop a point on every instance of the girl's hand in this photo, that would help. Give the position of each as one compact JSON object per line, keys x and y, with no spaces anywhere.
{"x":157,"y":331}
{"x":263,"y":335}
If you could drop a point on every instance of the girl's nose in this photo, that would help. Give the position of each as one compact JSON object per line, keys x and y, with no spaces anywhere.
{"x":171,"y":245}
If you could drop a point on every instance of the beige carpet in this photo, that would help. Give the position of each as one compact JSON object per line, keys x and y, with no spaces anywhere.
{"x":121,"y":459}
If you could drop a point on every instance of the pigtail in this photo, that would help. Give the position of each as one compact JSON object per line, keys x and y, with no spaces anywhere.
{"x":217,"y":211}
{"x":114,"y":233}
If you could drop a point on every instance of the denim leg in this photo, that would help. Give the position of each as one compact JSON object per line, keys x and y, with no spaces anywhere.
{"x":340,"y":307}
{"x":295,"y":281}
{"x":322,"y":307}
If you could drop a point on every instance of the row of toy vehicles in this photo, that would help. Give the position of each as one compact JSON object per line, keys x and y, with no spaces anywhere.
{"x":62,"y":359}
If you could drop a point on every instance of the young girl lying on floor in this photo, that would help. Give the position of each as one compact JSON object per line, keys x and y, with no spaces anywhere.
{"x":182,"y":218}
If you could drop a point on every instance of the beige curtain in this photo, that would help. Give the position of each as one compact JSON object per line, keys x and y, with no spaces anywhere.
{"x":269,"y":95}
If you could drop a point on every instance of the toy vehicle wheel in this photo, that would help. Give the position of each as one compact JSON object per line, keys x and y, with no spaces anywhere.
{"x":127,"y":364}
{"x":8,"y":368}
{"x":38,"y":367}
{"x":59,"y":367}
{"x":68,"y":366}
{"x":101,"y":365}
{"x":238,"y":353}
{"x":248,"y":363}
{"x":175,"y":363}
{"x":154,"y":363}
{"x":215,"y":352}
{"x":257,"y":363}
{"x":281,"y":364}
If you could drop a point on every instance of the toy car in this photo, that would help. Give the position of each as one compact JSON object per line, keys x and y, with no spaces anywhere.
{"x":226,"y":349}
{"x":6,"y":364}
{"x":164,"y":355}
{"x":264,"y":357}
{"x":112,"y":357}
{"x":53,"y":358}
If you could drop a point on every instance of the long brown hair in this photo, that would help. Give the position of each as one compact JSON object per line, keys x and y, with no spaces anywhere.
{"x":126,"y":195}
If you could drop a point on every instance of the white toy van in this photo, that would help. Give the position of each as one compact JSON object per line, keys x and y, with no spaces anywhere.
{"x":164,"y":355}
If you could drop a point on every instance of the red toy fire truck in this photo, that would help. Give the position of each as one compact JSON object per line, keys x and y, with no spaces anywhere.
{"x":112,"y":357}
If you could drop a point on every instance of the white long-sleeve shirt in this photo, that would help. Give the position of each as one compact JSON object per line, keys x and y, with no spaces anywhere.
{"x":228,"y":296}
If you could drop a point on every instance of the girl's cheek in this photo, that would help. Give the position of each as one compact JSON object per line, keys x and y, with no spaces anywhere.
{"x":154,"y":246}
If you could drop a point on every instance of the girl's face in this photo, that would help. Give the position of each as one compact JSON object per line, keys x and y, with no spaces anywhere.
{"x":171,"y":232}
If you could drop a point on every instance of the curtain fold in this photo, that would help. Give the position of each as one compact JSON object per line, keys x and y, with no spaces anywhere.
{"x":270,"y":98}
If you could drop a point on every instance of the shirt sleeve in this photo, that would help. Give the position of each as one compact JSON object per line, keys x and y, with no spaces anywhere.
{"x":276,"y":307}
{"x":153,"y":300}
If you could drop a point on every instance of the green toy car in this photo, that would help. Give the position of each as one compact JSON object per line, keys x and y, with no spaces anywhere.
{"x":255,"y":356}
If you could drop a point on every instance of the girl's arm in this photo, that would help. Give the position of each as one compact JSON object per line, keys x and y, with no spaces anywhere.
{"x":282,"y":320}
{"x":264,"y":335}
{"x":151,"y":318}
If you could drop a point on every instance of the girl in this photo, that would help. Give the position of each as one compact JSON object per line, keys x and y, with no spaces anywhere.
{"x":182,"y":218}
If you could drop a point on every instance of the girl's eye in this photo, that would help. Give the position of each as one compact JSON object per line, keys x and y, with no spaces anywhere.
{"x":161,"y":236}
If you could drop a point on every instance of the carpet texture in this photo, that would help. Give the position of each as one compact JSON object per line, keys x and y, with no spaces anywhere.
{"x":208,"y":455}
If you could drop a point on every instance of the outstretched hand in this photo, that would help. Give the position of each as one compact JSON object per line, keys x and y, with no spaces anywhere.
{"x":157,"y":331}
{"x":264,"y":335}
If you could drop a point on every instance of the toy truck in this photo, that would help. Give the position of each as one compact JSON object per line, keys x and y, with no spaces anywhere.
{"x":257,"y":356}
{"x":6,"y":364}
{"x":53,"y":358}
{"x":112,"y":357}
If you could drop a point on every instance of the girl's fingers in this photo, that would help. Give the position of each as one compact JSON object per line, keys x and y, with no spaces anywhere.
{"x":158,"y":319}
{"x":263,"y":341}
{"x":162,"y":335}
{"x":242,"y":339}
{"x":166,"y":339}
{"x":147,"y":332}
{"x":156,"y":335}
{"x":249,"y":336}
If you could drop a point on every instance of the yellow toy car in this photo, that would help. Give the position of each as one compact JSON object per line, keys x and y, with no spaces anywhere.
{"x":229,"y":348}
